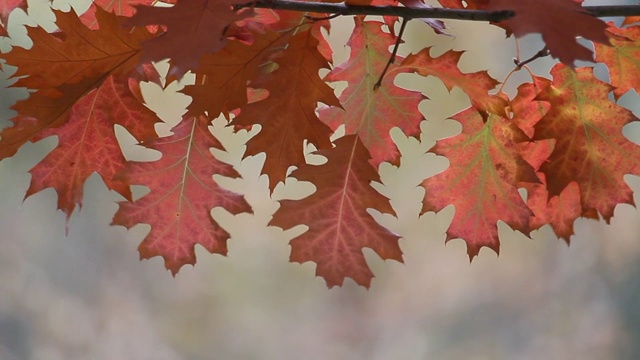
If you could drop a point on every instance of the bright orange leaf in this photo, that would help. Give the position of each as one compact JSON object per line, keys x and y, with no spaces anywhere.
{"x":590,"y":148}
{"x":623,"y":58}
{"x":559,"y":211}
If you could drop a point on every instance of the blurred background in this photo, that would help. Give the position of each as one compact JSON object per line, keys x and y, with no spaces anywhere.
{"x":80,"y":291}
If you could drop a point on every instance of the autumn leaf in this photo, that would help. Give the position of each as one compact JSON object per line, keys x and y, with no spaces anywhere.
{"x":64,"y":67}
{"x":481,"y":181}
{"x":526,"y":110}
{"x":6,"y":7}
{"x":445,"y":67}
{"x":76,"y":52}
{"x":559,"y":211}
{"x":118,"y":7}
{"x":287,"y":116}
{"x":622,"y":58}
{"x":372,"y":113}
{"x":222,"y":77}
{"x":339,"y":224}
{"x":590,"y":148}
{"x":87,"y":143}
{"x":182,"y":194}
{"x":193,"y":28}
{"x":559,"y":22}
{"x":559,"y":140}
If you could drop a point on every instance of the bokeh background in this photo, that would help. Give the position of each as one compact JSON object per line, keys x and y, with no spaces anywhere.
{"x":79,"y":291}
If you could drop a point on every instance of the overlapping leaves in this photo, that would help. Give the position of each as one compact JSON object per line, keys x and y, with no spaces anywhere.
{"x":559,"y":139}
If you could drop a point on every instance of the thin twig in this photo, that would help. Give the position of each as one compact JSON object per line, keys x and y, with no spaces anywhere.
{"x":312,"y":18}
{"x":426,"y":13}
{"x":542,"y":53}
{"x":392,"y":58}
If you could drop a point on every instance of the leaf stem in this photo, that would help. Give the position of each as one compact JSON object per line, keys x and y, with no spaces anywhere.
{"x":392,"y":58}
{"x":542,"y":53}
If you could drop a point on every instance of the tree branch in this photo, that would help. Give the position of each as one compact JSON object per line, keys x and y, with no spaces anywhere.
{"x":430,"y":13}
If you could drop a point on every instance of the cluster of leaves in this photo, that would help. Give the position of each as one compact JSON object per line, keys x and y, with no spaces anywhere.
{"x":560,"y":139}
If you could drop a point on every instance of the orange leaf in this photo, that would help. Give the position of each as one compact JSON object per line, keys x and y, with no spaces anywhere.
{"x":590,"y":148}
{"x":481,"y":181}
{"x":622,"y":58}
{"x":445,"y":67}
{"x":559,"y":211}
{"x":339,"y":225}
{"x":76,"y":52}
{"x":182,"y":194}
{"x":64,"y":67}
{"x":367,"y":112}
{"x":287,"y":116}
{"x":562,"y":210}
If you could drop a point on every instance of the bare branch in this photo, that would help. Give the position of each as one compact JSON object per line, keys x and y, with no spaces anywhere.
{"x":426,"y":13}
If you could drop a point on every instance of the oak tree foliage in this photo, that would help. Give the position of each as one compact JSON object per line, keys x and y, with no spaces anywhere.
{"x":559,"y":138}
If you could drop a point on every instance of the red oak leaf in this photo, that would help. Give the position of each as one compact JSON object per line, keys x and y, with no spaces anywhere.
{"x":559,"y":211}
{"x":562,"y":210}
{"x":261,"y":21}
{"x":182,"y":194}
{"x":88,"y":144}
{"x":339,"y":224}
{"x":194,"y":28}
{"x":558,"y":21}
{"x":118,"y":7}
{"x":63,"y":67}
{"x":369,"y":112}
{"x":629,"y":20}
{"x":526,"y":111}
{"x":445,"y":67}
{"x":221,"y":79}
{"x":287,"y":116}
{"x":590,"y":148}
{"x":76,"y":52}
{"x":622,"y":58}
{"x":481,"y":181}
